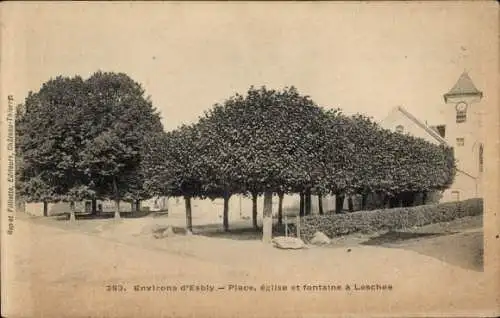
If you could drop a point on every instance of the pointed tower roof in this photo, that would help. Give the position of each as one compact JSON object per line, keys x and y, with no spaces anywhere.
{"x":463,"y":87}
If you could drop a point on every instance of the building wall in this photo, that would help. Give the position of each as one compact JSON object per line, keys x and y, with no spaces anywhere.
{"x":36,"y":208}
{"x":463,"y":188}
{"x":108,"y":206}
{"x":240,"y":207}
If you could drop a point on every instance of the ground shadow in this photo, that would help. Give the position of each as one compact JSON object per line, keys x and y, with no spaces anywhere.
{"x":107,"y":215}
{"x":464,"y":250}
{"x":396,"y":237}
{"x":217,"y":231}
{"x":239,"y":232}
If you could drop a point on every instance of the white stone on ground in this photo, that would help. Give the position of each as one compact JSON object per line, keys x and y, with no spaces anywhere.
{"x":284,"y":242}
{"x":320,"y":238}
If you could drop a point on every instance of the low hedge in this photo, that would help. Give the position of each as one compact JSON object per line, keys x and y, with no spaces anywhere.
{"x":388,"y":219}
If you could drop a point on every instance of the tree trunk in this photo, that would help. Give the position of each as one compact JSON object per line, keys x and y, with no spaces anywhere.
{"x":132,"y":206}
{"x":408,"y":198}
{"x":363,"y":201}
{"x":339,"y":203}
{"x":94,"y":207}
{"x":117,"y":209}
{"x":391,"y":203}
{"x":72,"y":215}
{"x":138,"y":205}
{"x":424,"y":197}
{"x":387,"y":202}
{"x":395,"y":201}
{"x":301,"y":204}
{"x":226,"y":212}
{"x":267,"y":220}
{"x":45,"y":208}
{"x":254,"y":210}
{"x":350,"y":204}
{"x":297,"y":225}
{"x":307,"y":200}
{"x":320,"y":204}
{"x":189,"y":218}
{"x":117,"y":199}
{"x":280,"y":208}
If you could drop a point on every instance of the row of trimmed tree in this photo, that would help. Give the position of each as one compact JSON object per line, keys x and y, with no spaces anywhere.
{"x":280,"y":142}
{"x":101,"y":138}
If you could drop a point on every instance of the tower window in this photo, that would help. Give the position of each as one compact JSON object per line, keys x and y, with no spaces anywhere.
{"x":461,"y":116}
{"x":461,"y":112}
{"x":400,"y":129}
{"x":460,"y":142}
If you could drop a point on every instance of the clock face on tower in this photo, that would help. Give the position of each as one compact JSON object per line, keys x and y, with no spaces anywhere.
{"x":461,"y":107}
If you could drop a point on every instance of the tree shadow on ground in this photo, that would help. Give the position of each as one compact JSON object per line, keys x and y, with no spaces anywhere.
{"x":235,"y":234}
{"x":464,"y":250}
{"x":396,"y":237}
{"x":107,"y":215}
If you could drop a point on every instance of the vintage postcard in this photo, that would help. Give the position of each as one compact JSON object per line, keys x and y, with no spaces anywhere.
{"x":249,"y":159}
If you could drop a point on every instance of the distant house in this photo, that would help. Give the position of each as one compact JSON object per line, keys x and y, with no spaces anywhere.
{"x":461,"y":115}
{"x":154,"y":204}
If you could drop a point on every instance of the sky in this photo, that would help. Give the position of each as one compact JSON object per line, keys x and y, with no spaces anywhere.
{"x":361,"y":57}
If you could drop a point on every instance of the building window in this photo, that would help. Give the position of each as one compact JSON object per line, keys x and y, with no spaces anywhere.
{"x":481,"y":159}
{"x":455,"y":195}
{"x":441,"y":130}
{"x":460,"y":142}
{"x":399,"y":129}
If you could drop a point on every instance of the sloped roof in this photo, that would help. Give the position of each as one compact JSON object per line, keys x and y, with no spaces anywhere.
{"x":464,"y":86}
{"x":422,"y":125}
{"x":431,"y":131}
{"x":465,"y":173}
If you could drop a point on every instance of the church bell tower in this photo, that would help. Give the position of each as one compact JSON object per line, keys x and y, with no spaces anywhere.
{"x":463,"y":114}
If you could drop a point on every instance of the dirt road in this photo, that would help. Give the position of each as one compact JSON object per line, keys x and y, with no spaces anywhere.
{"x":59,"y":273}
